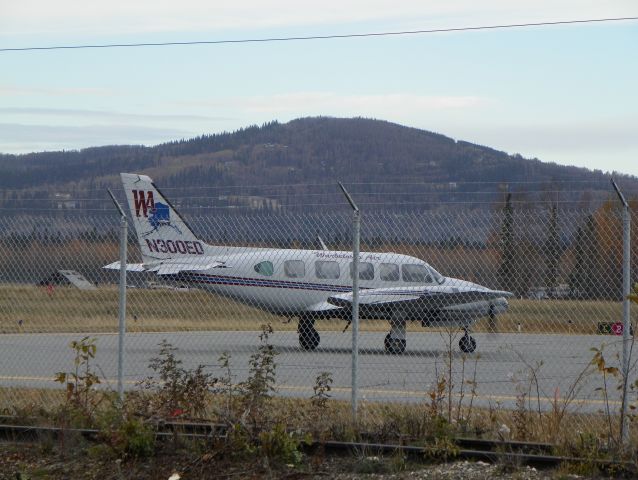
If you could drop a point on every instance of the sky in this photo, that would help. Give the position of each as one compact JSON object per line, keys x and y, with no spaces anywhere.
{"x":563,"y":94}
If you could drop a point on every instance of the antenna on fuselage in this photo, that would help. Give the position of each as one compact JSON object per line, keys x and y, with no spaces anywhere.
{"x":321,"y":243}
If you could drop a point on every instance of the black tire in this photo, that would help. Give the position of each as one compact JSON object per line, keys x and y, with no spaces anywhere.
{"x":309,"y":339}
{"x":467,"y":344}
{"x":394,"y":346}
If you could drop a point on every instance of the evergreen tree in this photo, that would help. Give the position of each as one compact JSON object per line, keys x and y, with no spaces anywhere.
{"x":584,"y":279}
{"x":552,"y":250}
{"x":507,"y":268}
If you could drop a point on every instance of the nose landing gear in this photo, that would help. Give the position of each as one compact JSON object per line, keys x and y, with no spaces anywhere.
{"x":467,"y":343}
{"x":394,"y":342}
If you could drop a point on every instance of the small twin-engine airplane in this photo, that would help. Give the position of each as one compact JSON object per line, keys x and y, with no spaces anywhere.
{"x":308,"y":284}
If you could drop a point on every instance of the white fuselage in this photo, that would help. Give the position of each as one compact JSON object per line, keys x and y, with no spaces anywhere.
{"x":290,"y":281}
{"x":295,"y":280}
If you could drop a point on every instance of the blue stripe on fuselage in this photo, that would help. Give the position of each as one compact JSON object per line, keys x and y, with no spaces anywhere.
{"x":259,"y":282}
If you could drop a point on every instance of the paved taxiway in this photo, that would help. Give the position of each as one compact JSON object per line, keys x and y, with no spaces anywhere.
{"x":503,"y":363}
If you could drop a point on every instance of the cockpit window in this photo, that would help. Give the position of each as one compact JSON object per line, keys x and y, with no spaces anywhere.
{"x":438,"y":278}
{"x":416,"y":273}
{"x":265,"y":268}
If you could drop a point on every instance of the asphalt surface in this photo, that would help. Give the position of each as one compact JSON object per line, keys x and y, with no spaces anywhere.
{"x":505,"y":364}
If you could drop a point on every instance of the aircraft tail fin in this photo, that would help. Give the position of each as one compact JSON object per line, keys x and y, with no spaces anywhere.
{"x":161,"y":232}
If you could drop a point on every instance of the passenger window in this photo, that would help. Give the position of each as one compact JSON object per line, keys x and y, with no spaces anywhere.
{"x":366,"y":271}
{"x":265,"y":268}
{"x":416,"y":273}
{"x":294,"y":268}
{"x":325,"y":269}
{"x":389,"y":272}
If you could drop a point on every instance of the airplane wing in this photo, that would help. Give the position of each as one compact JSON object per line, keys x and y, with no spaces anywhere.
{"x":429,"y":298}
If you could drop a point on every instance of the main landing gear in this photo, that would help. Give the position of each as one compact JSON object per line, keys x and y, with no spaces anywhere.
{"x":467,"y":343}
{"x":394,"y":342}
{"x":309,"y":337}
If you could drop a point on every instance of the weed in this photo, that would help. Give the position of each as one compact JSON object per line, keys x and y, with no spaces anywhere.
{"x":450,"y":336}
{"x":367,"y":463}
{"x":521,"y":418}
{"x":441,"y":449}
{"x":123,"y":432}
{"x":321,"y":390}
{"x":282,"y":446}
{"x":238,"y":443}
{"x":560,"y":406}
{"x":319,"y":401}
{"x":436,"y":395}
{"x":532,"y":382}
{"x":136,"y":438}
{"x":260,"y":384}
{"x":508,"y":462}
{"x":246,"y":409}
{"x":466,"y":421}
{"x":398,"y":462}
{"x":227,"y":388}
{"x":589,"y":449}
{"x":80,"y":383}
{"x":607,"y":373}
{"x":177,"y":392}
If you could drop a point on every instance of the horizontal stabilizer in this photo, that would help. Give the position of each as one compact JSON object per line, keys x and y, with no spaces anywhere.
{"x":169,"y":267}
{"x":173,"y":268}
{"x":130,"y":267}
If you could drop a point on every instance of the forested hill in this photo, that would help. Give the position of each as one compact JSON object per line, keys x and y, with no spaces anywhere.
{"x":371,"y":155}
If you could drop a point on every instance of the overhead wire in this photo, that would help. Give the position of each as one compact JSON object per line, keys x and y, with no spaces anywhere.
{"x":270,"y":196}
{"x":459,"y":184}
{"x":319,"y":37}
{"x":80,"y":210}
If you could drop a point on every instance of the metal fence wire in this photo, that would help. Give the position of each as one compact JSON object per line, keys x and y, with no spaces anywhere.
{"x":563,"y":269}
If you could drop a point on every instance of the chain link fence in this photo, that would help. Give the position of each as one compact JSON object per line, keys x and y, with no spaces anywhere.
{"x":562,"y":267}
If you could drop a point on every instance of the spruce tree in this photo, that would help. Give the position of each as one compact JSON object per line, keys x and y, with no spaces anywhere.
{"x":552,"y":251}
{"x":507,"y":268}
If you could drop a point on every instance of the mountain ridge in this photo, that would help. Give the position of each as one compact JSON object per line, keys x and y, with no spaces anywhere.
{"x":369,"y":154}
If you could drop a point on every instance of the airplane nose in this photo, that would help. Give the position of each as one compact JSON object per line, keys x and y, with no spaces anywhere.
{"x":499,"y":305}
{"x":458,"y":283}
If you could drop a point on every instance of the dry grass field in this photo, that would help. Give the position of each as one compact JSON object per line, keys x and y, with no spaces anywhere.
{"x":31,"y":309}
{"x":37,"y":406}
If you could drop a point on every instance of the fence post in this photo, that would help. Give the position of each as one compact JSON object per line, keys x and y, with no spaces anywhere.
{"x":122,"y":300}
{"x":356,"y":228}
{"x":626,"y":334}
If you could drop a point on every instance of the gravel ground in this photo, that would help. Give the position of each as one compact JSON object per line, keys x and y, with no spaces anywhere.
{"x":466,"y":470}
{"x":25,"y":462}
{"x":457,"y":470}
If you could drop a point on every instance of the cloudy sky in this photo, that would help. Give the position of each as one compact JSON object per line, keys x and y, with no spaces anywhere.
{"x":565,"y":94}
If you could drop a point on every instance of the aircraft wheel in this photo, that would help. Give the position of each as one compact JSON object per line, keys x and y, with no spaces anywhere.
{"x":467,"y":344}
{"x":309,"y":339}
{"x":394,"y":345}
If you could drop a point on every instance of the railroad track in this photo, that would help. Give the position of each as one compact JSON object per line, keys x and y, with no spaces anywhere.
{"x":523,"y":453}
